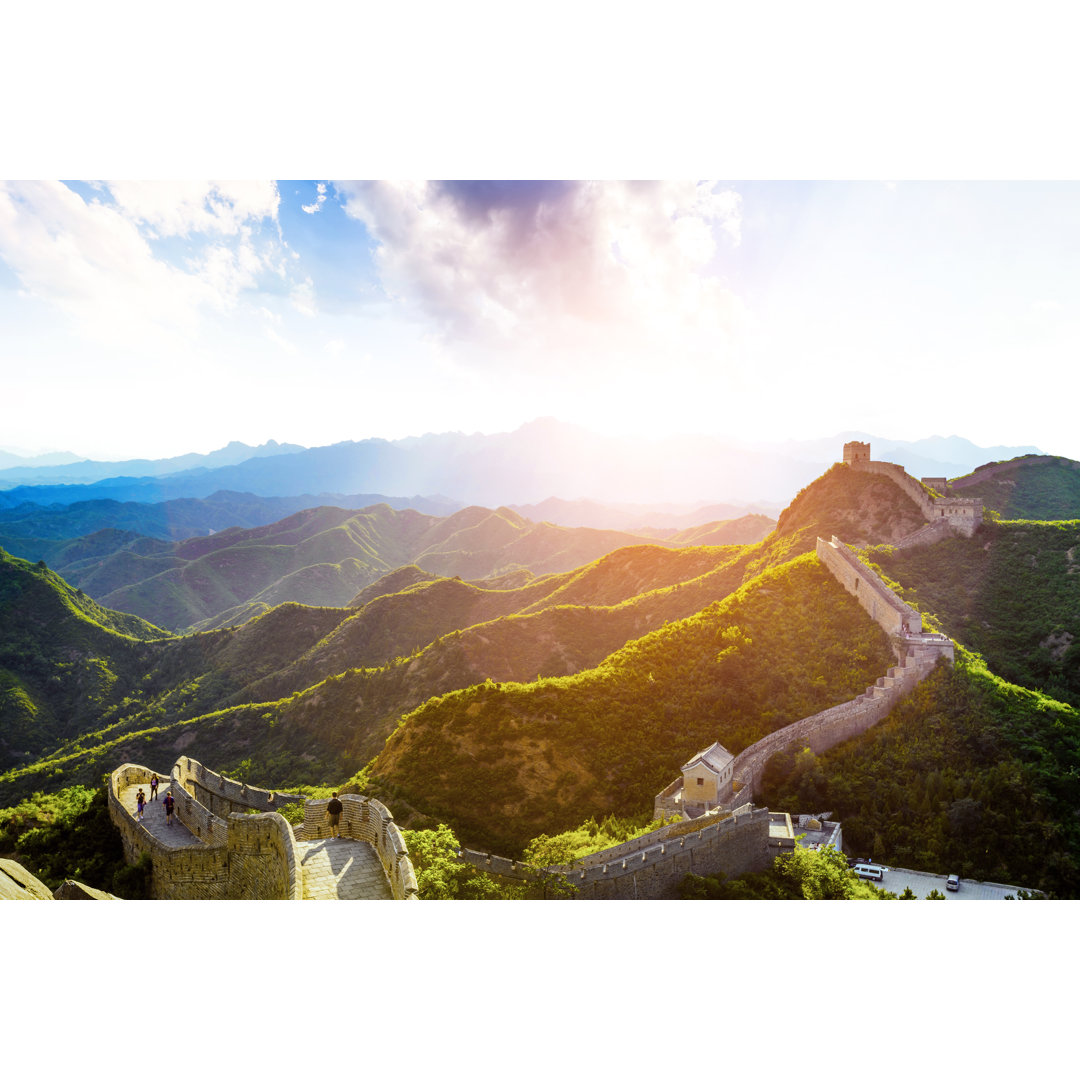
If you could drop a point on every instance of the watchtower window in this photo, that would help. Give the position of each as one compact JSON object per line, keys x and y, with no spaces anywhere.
{"x":701,"y":781}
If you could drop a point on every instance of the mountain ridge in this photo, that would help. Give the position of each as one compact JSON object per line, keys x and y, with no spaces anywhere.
{"x":540,"y":460}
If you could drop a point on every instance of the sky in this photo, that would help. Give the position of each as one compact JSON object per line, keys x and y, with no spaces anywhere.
{"x":154,"y":318}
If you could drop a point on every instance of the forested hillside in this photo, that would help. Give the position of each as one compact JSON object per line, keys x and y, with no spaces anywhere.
{"x":1011,"y":593}
{"x":322,"y":557}
{"x":504,"y":762}
{"x":526,"y":702}
{"x":1033,"y":487}
{"x":971,"y":775}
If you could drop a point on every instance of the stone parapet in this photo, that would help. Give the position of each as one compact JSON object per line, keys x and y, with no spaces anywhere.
{"x":876,"y":598}
{"x":733,"y":845}
{"x":962,"y":515}
{"x":222,"y":796}
{"x":246,"y":856}
{"x":367,"y":819}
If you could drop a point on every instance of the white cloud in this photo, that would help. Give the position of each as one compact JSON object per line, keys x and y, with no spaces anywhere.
{"x":302,"y":297}
{"x":93,"y":260}
{"x":90,"y":261}
{"x":180,"y":208}
{"x":598,"y":267}
{"x":320,"y":198}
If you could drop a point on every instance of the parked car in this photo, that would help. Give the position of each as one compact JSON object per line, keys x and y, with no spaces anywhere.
{"x":953,"y":883}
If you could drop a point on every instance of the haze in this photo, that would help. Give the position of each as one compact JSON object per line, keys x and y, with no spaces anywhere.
{"x":152,"y":319}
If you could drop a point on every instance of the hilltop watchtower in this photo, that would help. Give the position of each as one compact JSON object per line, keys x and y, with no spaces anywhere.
{"x":856,"y":453}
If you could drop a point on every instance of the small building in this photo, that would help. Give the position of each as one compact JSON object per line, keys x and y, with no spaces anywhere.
{"x":940,"y":484}
{"x":707,"y":778}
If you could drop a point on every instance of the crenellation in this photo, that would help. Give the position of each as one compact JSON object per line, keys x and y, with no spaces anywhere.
{"x":246,"y":855}
{"x":931,"y":495}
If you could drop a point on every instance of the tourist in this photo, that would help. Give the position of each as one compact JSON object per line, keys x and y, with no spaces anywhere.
{"x":153,"y":786}
{"x":333,"y":814}
{"x":140,"y":804}
{"x":168,"y":802}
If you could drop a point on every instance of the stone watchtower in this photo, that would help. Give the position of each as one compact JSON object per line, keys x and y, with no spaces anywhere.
{"x":856,"y":453}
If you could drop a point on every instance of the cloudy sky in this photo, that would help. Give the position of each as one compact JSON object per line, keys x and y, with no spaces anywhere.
{"x":155,"y":318}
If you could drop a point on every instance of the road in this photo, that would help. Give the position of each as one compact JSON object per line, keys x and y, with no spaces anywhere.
{"x":896,"y":880}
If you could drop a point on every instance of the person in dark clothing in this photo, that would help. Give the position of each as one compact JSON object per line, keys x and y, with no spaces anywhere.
{"x":140,"y":804}
{"x":333,"y":814}
{"x":168,"y":802}
{"x":153,"y":786}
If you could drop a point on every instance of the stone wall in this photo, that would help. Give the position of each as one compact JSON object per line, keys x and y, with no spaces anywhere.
{"x":263,"y":862}
{"x":222,"y":796}
{"x":246,"y":857}
{"x":876,"y":598}
{"x":733,"y":845}
{"x":367,"y":819}
{"x":918,"y":653}
{"x":930,"y":533}
{"x":963,"y":515}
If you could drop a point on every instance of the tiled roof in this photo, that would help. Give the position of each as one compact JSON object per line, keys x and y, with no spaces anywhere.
{"x":715,"y":757}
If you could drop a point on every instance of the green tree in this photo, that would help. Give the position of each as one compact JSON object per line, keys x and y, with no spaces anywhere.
{"x":441,"y":875}
{"x":908,"y":894}
{"x":933,"y":894}
{"x":818,"y":875}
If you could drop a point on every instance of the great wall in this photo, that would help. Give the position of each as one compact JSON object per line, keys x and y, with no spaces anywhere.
{"x":728,"y":834}
{"x":229,"y":841}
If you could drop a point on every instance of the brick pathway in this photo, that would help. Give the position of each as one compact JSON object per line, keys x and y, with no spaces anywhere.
{"x":342,"y":870}
{"x":176,"y":834}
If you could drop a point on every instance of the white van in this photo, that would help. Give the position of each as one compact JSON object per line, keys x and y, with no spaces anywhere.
{"x":869,"y":871}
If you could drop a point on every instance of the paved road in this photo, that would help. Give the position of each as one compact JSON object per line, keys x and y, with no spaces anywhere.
{"x":896,"y":880}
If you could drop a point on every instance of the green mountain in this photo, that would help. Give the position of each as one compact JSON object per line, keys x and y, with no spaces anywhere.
{"x":1011,"y":593}
{"x":320,"y":557}
{"x":510,"y":699}
{"x":1033,"y":487}
{"x":503,"y":762}
{"x":63,"y":658}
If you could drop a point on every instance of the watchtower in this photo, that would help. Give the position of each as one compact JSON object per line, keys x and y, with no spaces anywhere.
{"x":856,"y":453}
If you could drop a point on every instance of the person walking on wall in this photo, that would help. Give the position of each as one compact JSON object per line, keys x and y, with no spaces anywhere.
{"x":333,"y":814}
{"x":153,"y":786}
{"x":140,"y":804}
{"x":168,"y":802}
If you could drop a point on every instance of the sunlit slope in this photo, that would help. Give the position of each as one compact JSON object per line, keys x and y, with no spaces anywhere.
{"x":1012,"y":593}
{"x":859,"y":507}
{"x":457,"y":633}
{"x":1031,"y":487}
{"x":502,"y":763}
{"x":748,"y":529}
{"x":970,"y":775}
{"x":63,"y":658}
{"x":323,"y":556}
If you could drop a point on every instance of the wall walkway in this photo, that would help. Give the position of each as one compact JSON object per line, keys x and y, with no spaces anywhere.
{"x":917,"y":652}
{"x":652,"y":866}
{"x":962,"y":515}
{"x":249,"y":855}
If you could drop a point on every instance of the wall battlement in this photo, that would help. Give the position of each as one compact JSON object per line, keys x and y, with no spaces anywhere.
{"x":961,"y":515}
{"x":245,"y":855}
{"x":652,"y":866}
{"x":917,"y":654}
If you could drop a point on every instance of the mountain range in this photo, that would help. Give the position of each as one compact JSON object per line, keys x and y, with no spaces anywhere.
{"x":463,"y":688}
{"x":541,"y":460}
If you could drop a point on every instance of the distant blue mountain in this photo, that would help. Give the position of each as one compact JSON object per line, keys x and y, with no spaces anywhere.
{"x":540,"y":460}
{"x":74,"y":471}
